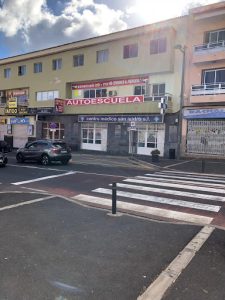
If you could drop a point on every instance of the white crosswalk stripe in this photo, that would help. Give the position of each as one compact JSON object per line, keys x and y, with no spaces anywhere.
{"x":176,"y":195}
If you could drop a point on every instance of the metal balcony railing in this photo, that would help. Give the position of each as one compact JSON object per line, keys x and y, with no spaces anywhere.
{"x":208,"y":89}
{"x":209,"y":46}
{"x":157,"y":97}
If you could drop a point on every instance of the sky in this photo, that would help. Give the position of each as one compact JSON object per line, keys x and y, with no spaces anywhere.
{"x":30,"y":25}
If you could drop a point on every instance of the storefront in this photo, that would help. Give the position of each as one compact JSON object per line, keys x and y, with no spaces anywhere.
{"x":205,"y":131}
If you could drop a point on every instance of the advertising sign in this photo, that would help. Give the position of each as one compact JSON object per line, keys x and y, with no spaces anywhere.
{"x":59,"y":105}
{"x":121,"y":118}
{"x":105,"y":100}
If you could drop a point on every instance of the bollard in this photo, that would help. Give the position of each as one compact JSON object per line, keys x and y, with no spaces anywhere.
{"x":203,"y":166}
{"x":113,"y":198}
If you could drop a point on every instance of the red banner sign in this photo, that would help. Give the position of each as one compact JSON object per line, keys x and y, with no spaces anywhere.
{"x":108,"y":83}
{"x":105,"y":100}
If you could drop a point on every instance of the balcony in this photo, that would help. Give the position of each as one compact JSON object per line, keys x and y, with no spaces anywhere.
{"x":209,"y":52}
{"x":204,"y":93}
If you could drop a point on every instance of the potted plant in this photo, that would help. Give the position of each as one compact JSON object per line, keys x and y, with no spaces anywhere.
{"x":155,"y":155}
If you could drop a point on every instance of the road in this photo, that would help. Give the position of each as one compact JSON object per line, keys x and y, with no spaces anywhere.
{"x":56,"y":247}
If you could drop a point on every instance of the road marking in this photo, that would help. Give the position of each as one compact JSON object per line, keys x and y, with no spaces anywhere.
{"x":39,"y":168}
{"x":169,"y":183}
{"x":161,"y":200}
{"x":193,"y":178}
{"x":43,"y":178}
{"x":180,"y":163}
{"x":26,"y":203}
{"x":167,"y":278}
{"x":191,"y":173}
{"x":143,"y":210}
{"x":171,"y":192}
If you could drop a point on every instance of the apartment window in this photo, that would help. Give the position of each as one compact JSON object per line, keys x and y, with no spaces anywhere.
{"x":22,"y":70}
{"x":102,"y":56}
{"x":158,"y":46}
{"x":57,"y":64}
{"x":47,"y":95}
{"x":130,"y":51}
{"x":7,"y":73}
{"x":213,"y":76}
{"x":158,"y":89}
{"x":38,"y":67}
{"x":139,"y":90}
{"x":215,"y":36}
{"x":95,"y":93}
{"x":78,"y":60}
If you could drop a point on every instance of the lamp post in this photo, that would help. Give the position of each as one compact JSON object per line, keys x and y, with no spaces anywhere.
{"x":182,"y":49}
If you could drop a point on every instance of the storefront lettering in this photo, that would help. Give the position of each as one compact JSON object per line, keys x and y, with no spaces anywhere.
{"x":105,"y":100}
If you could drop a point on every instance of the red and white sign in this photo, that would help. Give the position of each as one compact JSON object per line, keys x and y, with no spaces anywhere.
{"x":105,"y":100}
{"x":108,"y":83}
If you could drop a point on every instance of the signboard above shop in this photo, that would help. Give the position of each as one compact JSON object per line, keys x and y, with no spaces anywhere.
{"x":205,"y":113}
{"x":121,"y":118}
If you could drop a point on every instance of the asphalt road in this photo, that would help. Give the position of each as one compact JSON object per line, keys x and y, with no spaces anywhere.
{"x":55,"y":248}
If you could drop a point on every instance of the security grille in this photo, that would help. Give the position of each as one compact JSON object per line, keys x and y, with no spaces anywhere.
{"x":206,"y":137}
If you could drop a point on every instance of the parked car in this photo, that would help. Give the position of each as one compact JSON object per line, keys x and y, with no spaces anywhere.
{"x":5,"y":147}
{"x":3,"y":159}
{"x":45,"y":151}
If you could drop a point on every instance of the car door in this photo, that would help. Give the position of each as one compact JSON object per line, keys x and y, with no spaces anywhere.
{"x":31,"y":151}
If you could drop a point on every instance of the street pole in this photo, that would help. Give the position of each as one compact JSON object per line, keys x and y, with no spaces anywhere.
{"x":179,"y":142}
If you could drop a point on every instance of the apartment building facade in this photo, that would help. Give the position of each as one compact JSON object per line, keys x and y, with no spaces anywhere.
{"x":203,"y":126}
{"x":101,"y":94}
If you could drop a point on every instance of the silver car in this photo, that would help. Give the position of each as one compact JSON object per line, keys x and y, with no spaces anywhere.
{"x":45,"y":152}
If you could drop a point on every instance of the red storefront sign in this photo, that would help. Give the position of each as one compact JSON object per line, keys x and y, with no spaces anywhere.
{"x":105,"y":100}
{"x":109,"y":83}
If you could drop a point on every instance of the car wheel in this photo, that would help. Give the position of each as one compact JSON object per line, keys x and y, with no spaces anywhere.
{"x":45,"y":160}
{"x":64,"y":161}
{"x":19,"y":158}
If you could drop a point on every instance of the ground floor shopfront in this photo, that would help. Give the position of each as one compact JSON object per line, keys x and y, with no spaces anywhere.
{"x":205,"y":132}
{"x":112,"y":134}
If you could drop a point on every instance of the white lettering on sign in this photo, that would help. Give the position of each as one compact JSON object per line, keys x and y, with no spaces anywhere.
{"x":105,"y":100}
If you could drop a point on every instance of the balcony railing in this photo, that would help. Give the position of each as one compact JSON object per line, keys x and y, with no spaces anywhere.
{"x":209,"y":46}
{"x":154,"y":97}
{"x":208,"y":89}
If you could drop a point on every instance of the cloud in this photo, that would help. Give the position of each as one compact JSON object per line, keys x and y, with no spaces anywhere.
{"x":33,"y":25}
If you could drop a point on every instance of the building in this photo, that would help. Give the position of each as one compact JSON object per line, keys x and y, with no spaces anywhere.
{"x":118,"y":93}
{"x":203,"y":127}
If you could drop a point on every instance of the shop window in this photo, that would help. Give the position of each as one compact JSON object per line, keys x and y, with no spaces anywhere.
{"x":139,"y":90}
{"x":130,"y":51}
{"x":48,"y":132}
{"x":151,"y":140}
{"x":91,"y":134}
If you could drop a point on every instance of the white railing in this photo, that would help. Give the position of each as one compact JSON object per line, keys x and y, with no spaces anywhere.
{"x":209,"y":46}
{"x":208,"y":89}
{"x":154,"y":97}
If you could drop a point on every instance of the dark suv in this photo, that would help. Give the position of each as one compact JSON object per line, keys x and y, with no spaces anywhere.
{"x":45,"y":151}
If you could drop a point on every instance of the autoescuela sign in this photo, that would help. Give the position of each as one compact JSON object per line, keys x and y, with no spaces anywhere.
{"x":105,"y":100}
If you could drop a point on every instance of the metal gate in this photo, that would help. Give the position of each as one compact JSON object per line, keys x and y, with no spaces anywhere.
{"x":206,"y":137}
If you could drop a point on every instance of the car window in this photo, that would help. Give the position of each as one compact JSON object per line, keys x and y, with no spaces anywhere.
{"x":32,"y":146}
{"x":60,"y":145}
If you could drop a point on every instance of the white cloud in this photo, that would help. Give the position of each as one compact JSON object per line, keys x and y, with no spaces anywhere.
{"x":34,"y":25}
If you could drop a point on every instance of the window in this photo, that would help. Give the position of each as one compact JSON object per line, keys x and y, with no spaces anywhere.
{"x":139,"y":90}
{"x":213,"y":76}
{"x":158,"y":46}
{"x":47,"y":95}
{"x":158,"y":89}
{"x":48,"y":133}
{"x":130,"y":51}
{"x":7,"y":73}
{"x":215,"y":36}
{"x":22,"y":70}
{"x":92,"y":133}
{"x":38,"y":67}
{"x":57,"y":64}
{"x":102,"y":56}
{"x":95,"y":93}
{"x":78,"y":60}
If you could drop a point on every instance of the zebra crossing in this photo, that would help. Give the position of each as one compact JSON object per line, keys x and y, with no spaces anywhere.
{"x":174,"y":195}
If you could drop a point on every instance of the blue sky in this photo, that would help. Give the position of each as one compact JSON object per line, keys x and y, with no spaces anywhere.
{"x":29,"y":25}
